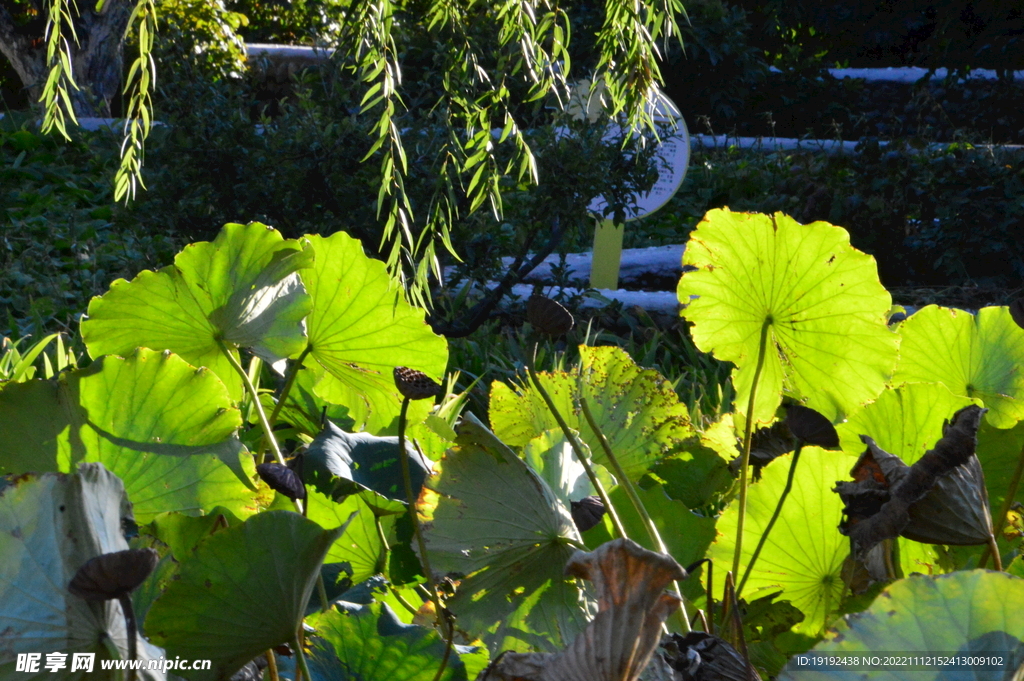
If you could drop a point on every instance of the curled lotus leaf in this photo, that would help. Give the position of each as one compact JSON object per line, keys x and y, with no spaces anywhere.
{"x":112,"y":575}
{"x":630,"y":584}
{"x":811,"y":427}
{"x":940,"y":499}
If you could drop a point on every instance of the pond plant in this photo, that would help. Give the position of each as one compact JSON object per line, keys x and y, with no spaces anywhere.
{"x":266,"y":424}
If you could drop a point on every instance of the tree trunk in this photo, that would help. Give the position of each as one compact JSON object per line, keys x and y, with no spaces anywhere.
{"x":97,"y":61}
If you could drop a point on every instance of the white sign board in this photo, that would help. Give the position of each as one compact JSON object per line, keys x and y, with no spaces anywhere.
{"x":672,"y":158}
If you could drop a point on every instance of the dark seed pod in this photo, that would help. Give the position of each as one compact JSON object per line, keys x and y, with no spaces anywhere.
{"x":587,"y":512}
{"x":1017,"y":312}
{"x":811,"y":427}
{"x":282,"y":479}
{"x":415,"y":385}
{"x":548,"y":316}
{"x":113,"y":575}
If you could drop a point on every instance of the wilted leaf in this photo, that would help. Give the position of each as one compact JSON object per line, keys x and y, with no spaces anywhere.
{"x":828,"y":343}
{"x":51,"y":525}
{"x":941,"y":499}
{"x":630,"y":584}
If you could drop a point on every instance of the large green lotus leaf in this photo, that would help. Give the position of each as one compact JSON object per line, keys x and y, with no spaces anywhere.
{"x":696,"y":475}
{"x":241,"y":288}
{"x":499,"y":524}
{"x":905,"y":421}
{"x":244,"y":590}
{"x":164,"y":427}
{"x":183,"y":533}
{"x":360,"y":546}
{"x":553,"y":459}
{"x":974,"y":613}
{"x":636,"y":409}
{"x":804,"y":554}
{"x":973,"y":355}
{"x":828,"y":344}
{"x":361,"y":328}
{"x":50,"y":525}
{"x":998,"y":451}
{"x":369,"y":643}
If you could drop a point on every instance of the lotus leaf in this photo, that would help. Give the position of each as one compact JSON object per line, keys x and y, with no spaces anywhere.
{"x":165,"y":428}
{"x":975,"y":356}
{"x":973,"y":613}
{"x":827,"y":342}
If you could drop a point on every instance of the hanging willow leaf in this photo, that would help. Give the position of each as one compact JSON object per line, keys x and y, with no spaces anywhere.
{"x":630,"y":583}
{"x":941,"y":499}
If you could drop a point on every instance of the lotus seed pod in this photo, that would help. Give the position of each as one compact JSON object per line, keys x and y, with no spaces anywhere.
{"x":587,"y":512}
{"x":811,"y":427}
{"x":113,"y":575}
{"x":282,"y":479}
{"x":414,"y":384}
{"x":548,"y":316}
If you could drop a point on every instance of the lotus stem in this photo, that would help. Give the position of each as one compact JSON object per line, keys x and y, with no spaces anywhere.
{"x":382,"y":558}
{"x":578,"y":449}
{"x":775,"y":517}
{"x":1004,"y":510}
{"x":747,"y":433}
{"x":428,"y":574}
{"x":638,"y":504}
{"x":301,"y":669}
{"x":272,"y":664}
{"x":132,"y":628}
{"x":289,"y":381}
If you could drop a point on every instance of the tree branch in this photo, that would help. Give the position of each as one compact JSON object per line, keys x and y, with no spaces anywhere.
{"x":28,"y":62}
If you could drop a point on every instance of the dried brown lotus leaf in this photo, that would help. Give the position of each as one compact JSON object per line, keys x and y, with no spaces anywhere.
{"x":548,"y":316}
{"x":811,"y":427}
{"x":587,"y":512}
{"x":699,"y":656}
{"x":113,"y":575}
{"x":282,"y":479}
{"x":941,"y":499}
{"x":630,"y":585}
{"x":415,"y":385}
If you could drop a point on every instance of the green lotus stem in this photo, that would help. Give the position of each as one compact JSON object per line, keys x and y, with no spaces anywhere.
{"x":272,"y":664}
{"x":401,"y":600}
{"x":775,"y":517}
{"x":1000,"y":520}
{"x":289,"y":381}
{"x":747,"y":433}
{"x":447,"y":654}
{"x":428,"y":574}
{"x":382,"y":559}
{"x":267,"y":430}
{"x":578,"y":449}
{"x":321,"y":590}
{"x":132,"y":630}
{"x":302,"y":670}
{"x":638,"y":504}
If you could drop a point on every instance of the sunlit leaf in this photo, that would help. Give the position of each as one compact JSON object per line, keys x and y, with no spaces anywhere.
{"x":166,"y":428}
{"x":241,"y":288}
{"x":360,"y":329}
{"x":976,"y":356}
{"x":827,"y":341}
{"x":636,"y":409}
{"x":360,"y":547}
{"x":974,"y":614}
{"x":804,"y":554}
